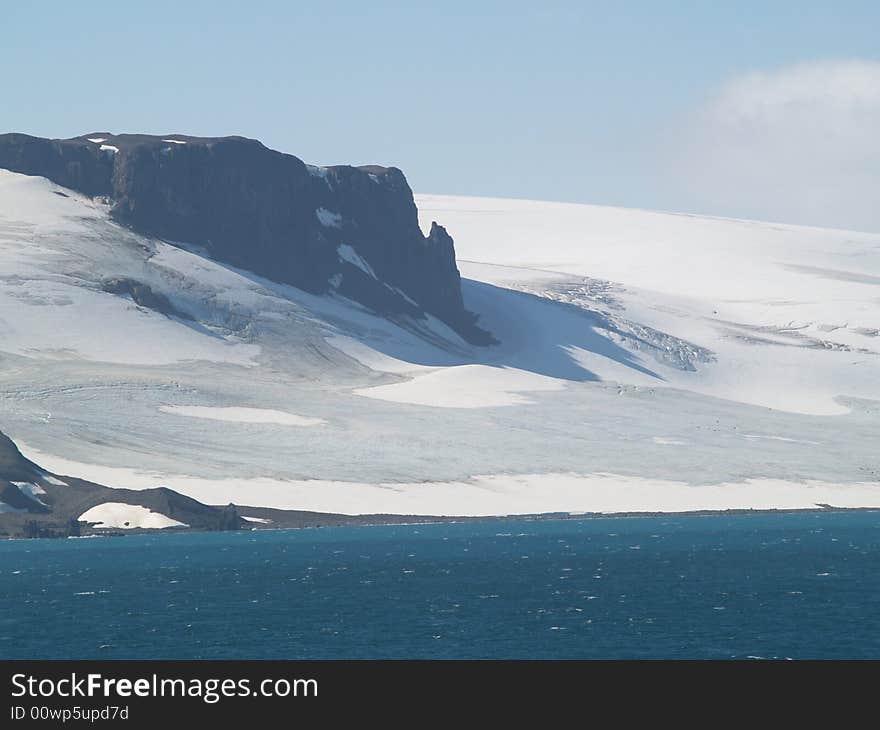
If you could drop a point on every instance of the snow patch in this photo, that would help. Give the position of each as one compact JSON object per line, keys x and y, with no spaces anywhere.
{"x":31,"y":490}
{"x":372,"y":358}
{"x":328,"y":218}
{"x":405,"y":296}
{"x":127,"y":516}
{"x":320,"y":172}
{"x":752,"y":436}
{"x":49,"y":479}
{"x":465,"y":386}
{"x":242,"y":415}
{"x":347,"y":253}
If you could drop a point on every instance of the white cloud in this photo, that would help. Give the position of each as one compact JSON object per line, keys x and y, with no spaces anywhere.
{"x":800,"y":144}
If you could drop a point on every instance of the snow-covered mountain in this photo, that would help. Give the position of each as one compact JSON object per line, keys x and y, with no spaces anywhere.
{"x":349,"y":230}
{"x":644,"y":362}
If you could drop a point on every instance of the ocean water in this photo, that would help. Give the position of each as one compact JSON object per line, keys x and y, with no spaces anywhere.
{"x":763,"y":585}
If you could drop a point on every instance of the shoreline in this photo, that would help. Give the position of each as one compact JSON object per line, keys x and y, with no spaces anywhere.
{"x":331,"y":521}
{"x":390,"y":520}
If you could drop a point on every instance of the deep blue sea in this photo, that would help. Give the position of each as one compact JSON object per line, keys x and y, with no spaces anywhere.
{"x":774,"y":586}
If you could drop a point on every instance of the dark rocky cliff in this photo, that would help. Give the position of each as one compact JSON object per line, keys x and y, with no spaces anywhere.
{"x":348,"y":229}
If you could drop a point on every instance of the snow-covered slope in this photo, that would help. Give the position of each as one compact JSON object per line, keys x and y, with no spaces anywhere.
{"x":645,"y":362}
{"x":787,"y":316}
{"x":127,"y":517}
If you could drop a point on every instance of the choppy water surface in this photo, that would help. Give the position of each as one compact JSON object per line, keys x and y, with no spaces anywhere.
{"x":783,"y":585}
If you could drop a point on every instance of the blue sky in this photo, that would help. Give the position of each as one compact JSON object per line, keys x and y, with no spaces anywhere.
{"x":597,"y":102}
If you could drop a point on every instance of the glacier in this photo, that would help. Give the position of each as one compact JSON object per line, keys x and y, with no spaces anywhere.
{"x":645,"y":362}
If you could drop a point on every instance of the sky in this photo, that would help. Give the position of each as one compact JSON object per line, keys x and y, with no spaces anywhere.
{"x":766,"y":110}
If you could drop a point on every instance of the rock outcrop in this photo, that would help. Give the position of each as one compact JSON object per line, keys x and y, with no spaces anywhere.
{"x":352,"y":230}
{"x":36,"y":503}
{"x":142,"y":295}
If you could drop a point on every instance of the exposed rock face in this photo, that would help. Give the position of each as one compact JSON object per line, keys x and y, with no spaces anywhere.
{"x":15,"y":498}
{"x":15,"y":470}
{"x":35,"y":503}
{"x":13,"y":466}
{"x":142,"y":295}
{"x":350,"y":229}
{"x":229,"y":519}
